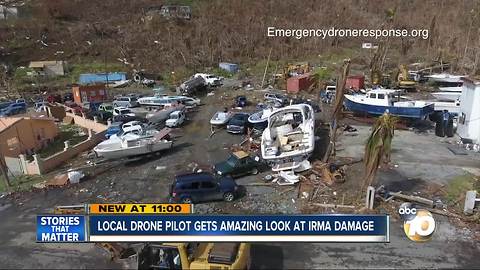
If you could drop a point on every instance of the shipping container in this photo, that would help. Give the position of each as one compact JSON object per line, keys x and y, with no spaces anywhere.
{"x":89,"y":93}
{"x":355,"y":82}
{"x":93,"y":78}
{"x":299,"y":83}
{"x":233,"y":68}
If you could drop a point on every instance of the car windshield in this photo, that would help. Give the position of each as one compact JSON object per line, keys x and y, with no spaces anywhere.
{"x":125,"y":111}
{"x":232,"y":161}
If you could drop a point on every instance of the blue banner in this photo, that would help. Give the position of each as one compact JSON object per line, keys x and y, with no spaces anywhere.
{"x":61,"y":228}
{"x":364,"y":228}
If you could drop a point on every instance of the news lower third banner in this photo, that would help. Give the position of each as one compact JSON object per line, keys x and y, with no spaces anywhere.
{"x":210,"y":228}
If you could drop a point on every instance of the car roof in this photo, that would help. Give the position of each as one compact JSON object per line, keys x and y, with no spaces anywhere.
{"x":190,"y":177}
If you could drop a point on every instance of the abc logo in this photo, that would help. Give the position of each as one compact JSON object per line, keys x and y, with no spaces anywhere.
{"x":418,"y":224}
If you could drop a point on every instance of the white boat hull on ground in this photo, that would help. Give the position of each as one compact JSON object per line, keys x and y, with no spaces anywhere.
{"x":220,"y":118}
{"x":447,"y":96}
{"x":113,"y":152}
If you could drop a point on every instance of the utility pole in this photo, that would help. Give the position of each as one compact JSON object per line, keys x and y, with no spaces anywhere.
{"x":266,"y":67}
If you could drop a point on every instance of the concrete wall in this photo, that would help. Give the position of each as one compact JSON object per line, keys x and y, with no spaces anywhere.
{"x":42,"y":166}
{"x":87,"y":123}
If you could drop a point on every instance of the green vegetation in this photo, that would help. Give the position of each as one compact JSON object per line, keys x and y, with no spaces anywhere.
{"x":323,"y":73}
{"x":460,"y":184}
{"x":379,"y":145}
{"x":70,"y":133}
{"x":21,"y":183}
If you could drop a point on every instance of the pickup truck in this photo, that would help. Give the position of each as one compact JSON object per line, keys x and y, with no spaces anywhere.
{"x":176,"y":119}
{"x":210,"y":80}
{"x":13,"y":108}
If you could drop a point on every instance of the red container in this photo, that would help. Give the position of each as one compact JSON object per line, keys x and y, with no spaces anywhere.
{"x":355,"y":82}
{"x":299,"y":83}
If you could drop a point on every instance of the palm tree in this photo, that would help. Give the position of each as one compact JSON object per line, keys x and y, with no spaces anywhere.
{"x":378,"y":146}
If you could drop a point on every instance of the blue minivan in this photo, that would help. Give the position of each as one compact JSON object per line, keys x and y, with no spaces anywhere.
{"x":201,"y":187}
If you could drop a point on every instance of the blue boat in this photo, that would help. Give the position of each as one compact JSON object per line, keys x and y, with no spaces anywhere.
{"x":378,"y":101}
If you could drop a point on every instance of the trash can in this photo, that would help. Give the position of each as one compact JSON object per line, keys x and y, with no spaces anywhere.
{"x":449,"y":130}
{"x":439,"y":128}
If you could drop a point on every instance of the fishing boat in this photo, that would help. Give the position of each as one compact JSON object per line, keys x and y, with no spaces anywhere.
{"x":289,"y":137}
{"x":378,"y":101}
{"x":220,"y":118}
{"x":134,"y":145}
{"x":447,"y":96}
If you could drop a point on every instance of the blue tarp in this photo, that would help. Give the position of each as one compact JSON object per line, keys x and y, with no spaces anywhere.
{"x":91,"y":78}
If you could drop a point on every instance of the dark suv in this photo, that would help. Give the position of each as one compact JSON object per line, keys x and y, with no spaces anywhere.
{"x":200,"y":187}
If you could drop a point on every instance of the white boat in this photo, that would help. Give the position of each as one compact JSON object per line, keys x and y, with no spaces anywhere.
{"x":451,"y":89}
{"x":451,"y":107}
{"x":289,"y":135}
{"x":447,"y":96}
{"x":221,"y":118}
{"x":260,"y":116}
{"x":133,"y":145}
{"x":445,"y":78}
{"x":160,"y":100}
{"x":119,"y":84}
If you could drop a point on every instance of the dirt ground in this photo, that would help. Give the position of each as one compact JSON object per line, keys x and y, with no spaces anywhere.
{"x":148,"y":180}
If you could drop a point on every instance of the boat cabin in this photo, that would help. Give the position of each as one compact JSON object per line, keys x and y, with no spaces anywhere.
{"x":382,"y":97}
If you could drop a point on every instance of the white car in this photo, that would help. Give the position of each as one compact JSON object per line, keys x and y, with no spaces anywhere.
{"x":122,"y":111}
{"x":131,"y":124}
{"x":176,"y":119}
{"x":190,"y":101}
{"x":210,"y":79}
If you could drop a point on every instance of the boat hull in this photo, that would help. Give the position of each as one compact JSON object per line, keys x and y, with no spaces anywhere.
{"x":447,"y":96}
{"x":116,"y":153}
{"x":404,"y":112}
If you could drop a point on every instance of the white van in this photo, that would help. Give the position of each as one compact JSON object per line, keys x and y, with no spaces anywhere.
{"x":128,"y":102}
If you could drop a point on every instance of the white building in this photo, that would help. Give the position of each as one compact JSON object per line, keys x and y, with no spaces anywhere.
{"x":469,"y":116}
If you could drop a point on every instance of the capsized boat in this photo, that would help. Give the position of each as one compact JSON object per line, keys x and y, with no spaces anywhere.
{"x":221,"y":118}
{"x":134,"y":145}
{"x":289,"y":136}
{"x":378,"y":101}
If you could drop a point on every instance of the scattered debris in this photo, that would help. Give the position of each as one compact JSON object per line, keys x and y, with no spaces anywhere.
{"x":58,"y":180}
{"x":327,"y":205}
{"x":75,"y":176}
